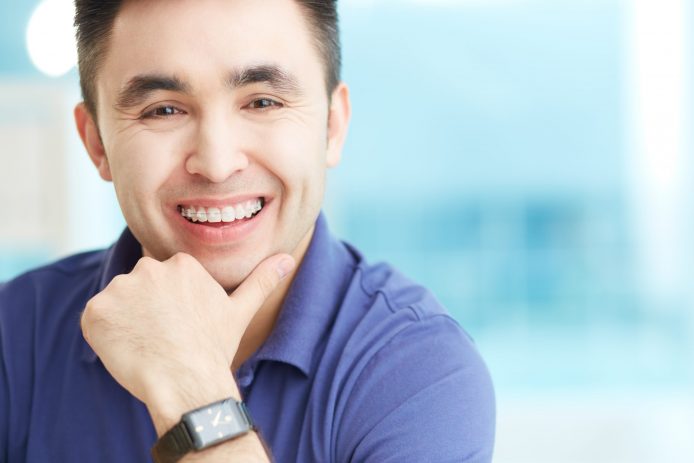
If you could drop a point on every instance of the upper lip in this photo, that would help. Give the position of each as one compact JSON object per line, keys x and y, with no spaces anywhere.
{"x":217,"y":202}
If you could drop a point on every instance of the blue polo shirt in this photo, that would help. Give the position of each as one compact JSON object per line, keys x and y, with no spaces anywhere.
{"x":363,"y":365}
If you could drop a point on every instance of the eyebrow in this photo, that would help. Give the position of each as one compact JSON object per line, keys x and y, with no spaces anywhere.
{"x":270,"y":74}
{"x":141,"y":87}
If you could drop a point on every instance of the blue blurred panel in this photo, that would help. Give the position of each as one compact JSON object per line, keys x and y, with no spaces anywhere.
{"x":517,"y":96}
{"x":485,"y":154}
{"x":487,"y":159}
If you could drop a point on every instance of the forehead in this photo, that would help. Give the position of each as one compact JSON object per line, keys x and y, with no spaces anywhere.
{"x":204,"y":39}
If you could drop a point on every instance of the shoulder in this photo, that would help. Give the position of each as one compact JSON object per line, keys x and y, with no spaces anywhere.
{"x":385,"y":306}
{"x":48,"y":285}
{"x":65,"y":268}
{"x":405,"y":316}
{"x":35,"y":304}
{"x":416,"y":387}
{"x":39,"y":311}
{"x":398,"y":291}
{"x":413,"y":386}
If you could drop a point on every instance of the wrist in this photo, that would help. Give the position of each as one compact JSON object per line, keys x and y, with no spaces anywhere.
{"x":167,"y":403}
{"x":221,"y":428}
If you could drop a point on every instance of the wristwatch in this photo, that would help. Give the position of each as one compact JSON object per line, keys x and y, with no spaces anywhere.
{"x":202,"y":428}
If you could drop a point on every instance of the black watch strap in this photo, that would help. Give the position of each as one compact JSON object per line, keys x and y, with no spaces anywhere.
{"x":173,"y":445}
{"x":202,"y":428}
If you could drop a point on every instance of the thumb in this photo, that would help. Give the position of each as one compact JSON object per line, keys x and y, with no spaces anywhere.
{"x":257,"y":287}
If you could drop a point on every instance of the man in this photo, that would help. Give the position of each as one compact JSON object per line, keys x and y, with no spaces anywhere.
{"x":226,"y":301}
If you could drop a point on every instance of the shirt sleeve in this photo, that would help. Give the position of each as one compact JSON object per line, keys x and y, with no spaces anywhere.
{"x":426,"y":395}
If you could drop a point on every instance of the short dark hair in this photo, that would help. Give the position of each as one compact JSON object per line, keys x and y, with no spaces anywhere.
{"x":94,"y":23}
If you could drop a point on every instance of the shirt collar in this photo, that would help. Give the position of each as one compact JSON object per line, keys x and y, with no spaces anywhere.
{"x":308,"y":309}
{"x":311,"y":303}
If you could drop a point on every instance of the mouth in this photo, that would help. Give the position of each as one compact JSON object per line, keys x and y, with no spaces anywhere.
{"x":222,"y":215}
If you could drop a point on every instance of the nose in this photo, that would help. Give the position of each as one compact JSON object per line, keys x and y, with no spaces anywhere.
{"x":217,"y":153}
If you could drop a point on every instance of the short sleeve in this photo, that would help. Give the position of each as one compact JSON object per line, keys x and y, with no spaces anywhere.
{"x":425,"y":396}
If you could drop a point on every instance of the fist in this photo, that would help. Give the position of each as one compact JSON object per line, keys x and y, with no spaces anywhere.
{"x":169,"y":328}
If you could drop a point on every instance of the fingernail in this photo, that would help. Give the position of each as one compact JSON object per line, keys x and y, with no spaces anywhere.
{"x":284,"y":266}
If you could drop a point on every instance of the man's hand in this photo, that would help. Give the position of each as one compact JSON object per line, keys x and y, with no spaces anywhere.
{"x":168,"y":332}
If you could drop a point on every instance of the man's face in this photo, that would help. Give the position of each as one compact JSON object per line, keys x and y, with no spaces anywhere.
{"x":211,"y":109}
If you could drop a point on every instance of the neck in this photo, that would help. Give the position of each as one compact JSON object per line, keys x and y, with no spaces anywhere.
{"x":264,"y":321}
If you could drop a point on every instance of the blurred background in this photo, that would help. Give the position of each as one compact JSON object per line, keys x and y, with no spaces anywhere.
{"x":528,"y":160}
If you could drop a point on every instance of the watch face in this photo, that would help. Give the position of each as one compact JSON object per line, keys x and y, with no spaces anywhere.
{"x":216,"y":423}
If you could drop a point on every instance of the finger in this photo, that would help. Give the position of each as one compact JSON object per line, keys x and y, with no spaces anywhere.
{"x":257,"y":287}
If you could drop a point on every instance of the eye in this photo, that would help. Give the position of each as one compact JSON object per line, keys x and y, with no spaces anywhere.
{"x":264,"y":104}
{"x":162,"y":112}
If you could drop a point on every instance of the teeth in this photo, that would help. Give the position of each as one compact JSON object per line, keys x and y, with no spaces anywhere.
{"x":240,"y":212}
{"x":202,"y":214}
{"x":228,"y":214}
{"x":224,"y":214}
{"x":213,"y":215}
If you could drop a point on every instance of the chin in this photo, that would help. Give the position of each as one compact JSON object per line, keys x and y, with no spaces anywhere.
{"x":229,"y":274}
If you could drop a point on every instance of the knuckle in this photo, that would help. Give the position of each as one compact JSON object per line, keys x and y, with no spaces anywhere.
{"x":186,"y":263}
{"x":116,"y":284}
{"x":118,"y":280}
{"x":89,"y":314}
{"x":145,"y":263}
{"x":142,"y":261}
{"x":93,"y":305}
{"x":183,"y":258}
{"x":84,"y":326}
{"x":84,"y":319}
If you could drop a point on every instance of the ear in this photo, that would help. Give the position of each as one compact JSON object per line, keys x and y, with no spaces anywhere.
{"x":89,"y":133}
{"x":339,"y":114}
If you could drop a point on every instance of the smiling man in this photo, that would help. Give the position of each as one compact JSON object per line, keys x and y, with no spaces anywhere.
{"x":227,"y":323}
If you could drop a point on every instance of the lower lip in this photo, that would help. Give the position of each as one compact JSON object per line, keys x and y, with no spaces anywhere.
{"x":222,"y":232}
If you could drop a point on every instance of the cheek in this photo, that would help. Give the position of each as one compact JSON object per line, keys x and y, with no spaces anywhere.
{"x":294,"y":152}
{"x":141,"y":164}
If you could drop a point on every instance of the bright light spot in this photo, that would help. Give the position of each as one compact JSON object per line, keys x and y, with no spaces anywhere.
{"x":658,"y":54}
{"x":51,"y":37}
